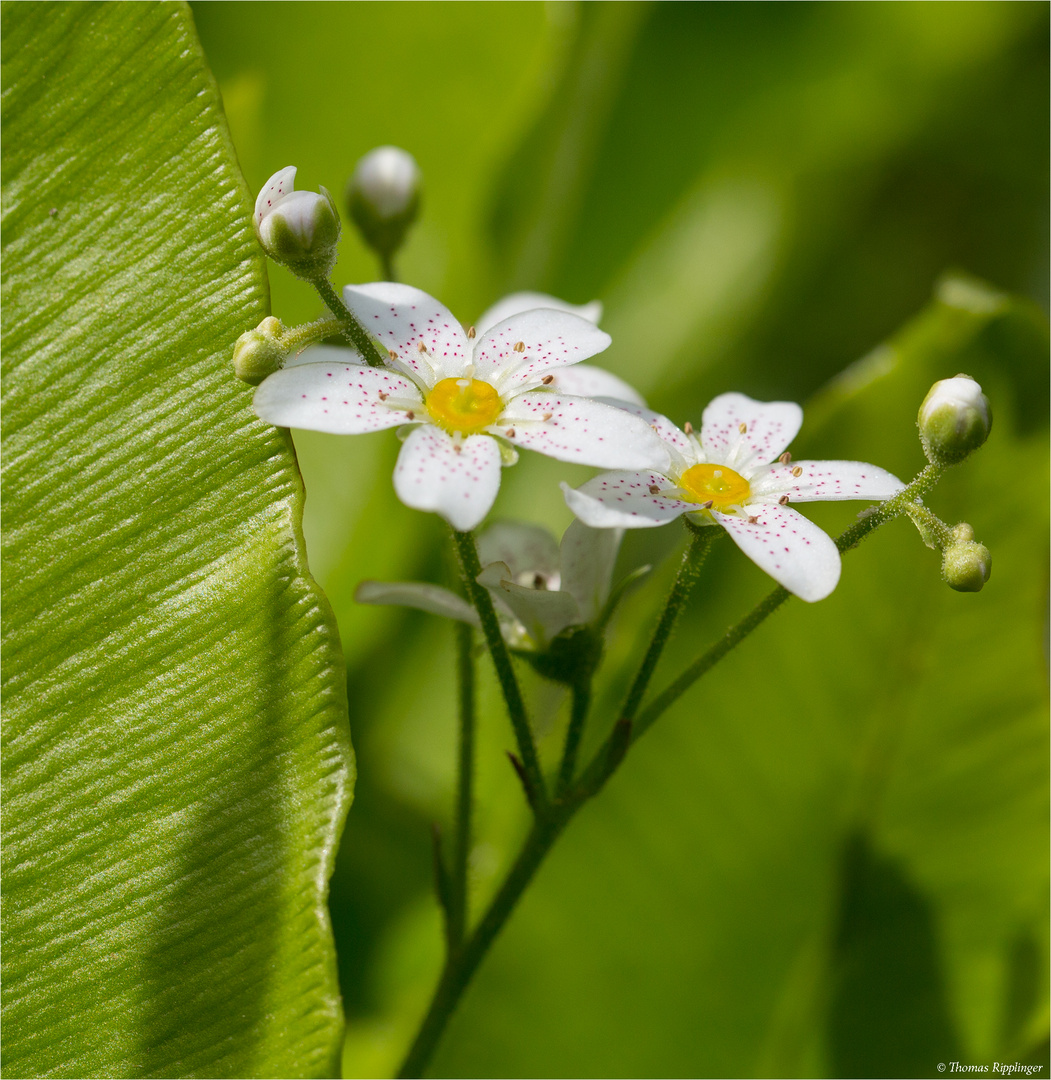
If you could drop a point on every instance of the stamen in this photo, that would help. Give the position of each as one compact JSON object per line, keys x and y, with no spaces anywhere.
{"x":547,"y":380}
{"x":798,"y":470}
{"x":687,"y":427}
{"x":384,"y":395}
{"x":392,"y":354}
{"x":519,"y":346}
{"x":654,"y":490}
{"x":510,"y":433}
{"x":783,"y":501}
{"x":707,"y":505}
{"x":421,"y":347}
{"x":742,"y":427}
{"x":753,"y":521}
{"x":538,"y":581}
{"x":411,"y":415}
{"x":547,"y":416}
{"x":470,"y":332}
{"x":785,"y":458}
{"x":457,"y":448}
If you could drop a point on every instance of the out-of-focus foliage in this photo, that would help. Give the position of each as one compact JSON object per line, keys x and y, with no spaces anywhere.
{"x":831,"y":856}
{"x":176,"y":757}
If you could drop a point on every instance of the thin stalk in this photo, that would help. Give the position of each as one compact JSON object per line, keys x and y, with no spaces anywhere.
{"x":461,"y":966}
{"x":693,"y":558}
{"x":387,"y":267}
{"x":353,"y":329}
{"x":458,"y":910}
{"x":581,"y":702}
{"x":505,"y":672}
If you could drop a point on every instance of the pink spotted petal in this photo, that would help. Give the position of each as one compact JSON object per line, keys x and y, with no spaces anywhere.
{"x":823,"y":481}
{"x":625,"y":500}
{"x":401,"y":318}
{"x":769,"y":427}
{"x":460,"y":485}
{"x":588,"y":432}
{"x":275,"y":190}
{"x":791,"y":549}
{"x":342,"y":399}
{"x":549,"y":339}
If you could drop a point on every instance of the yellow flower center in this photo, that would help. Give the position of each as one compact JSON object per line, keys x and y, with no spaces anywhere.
{"x":463,"y":404}
{"x":716,"y":484}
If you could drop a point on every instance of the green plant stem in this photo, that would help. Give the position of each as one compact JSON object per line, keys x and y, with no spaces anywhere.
{"x":458,"y":910}
{"x":387,"y":267}
{"x":353,"y":329}
{"x":689,"y":569}
{"x":505,"y":672}
{"x":581,"y":702}
{"x":460,"y":966}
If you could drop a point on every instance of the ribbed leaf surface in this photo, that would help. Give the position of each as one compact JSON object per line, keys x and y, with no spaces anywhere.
{"x":177,"y":762}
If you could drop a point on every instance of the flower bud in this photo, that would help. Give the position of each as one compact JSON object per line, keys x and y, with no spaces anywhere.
{"x":258,"y":352}
{"x":966,"y":565}
{"x":954,"y":419}
{"x":383,"y":197}
{"x":297,"y":228}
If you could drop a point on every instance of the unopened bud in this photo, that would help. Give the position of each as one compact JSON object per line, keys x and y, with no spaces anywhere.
{"x":297,"y":228}
{"x":258,"y":352}
{"x":383,"y":197}
{"x":954,"y":419}
{"x":966,"y":565}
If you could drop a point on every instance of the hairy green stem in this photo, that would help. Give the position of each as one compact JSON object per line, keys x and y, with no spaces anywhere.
{"x":689,"y":569}
{"x":460,"y":966}
{"x":505,"y":672}
{"x":581,"y":702}
{"x":353,"y":329}
{"x":458,"y":910}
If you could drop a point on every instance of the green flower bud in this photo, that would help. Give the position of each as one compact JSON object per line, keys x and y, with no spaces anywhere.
{"x":258,"y":352}
{"x":966,"y":565}
{"x":383,"y":197}
{"x":299,"y":229}
{"x":954,"y":420}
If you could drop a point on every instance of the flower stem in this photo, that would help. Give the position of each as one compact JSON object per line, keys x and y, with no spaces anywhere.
{"x":353,"y":329}
{"x":458,"y":911}
{"x":581,"y":701}
{"x":692,"y":560}
{"x":505,"y":672}
{"x":461,"y":965}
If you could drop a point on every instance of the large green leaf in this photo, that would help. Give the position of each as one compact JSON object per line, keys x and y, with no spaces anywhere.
{"x":177,"y":758}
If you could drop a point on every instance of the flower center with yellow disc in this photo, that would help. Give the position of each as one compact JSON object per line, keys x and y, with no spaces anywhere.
{"x":717,"y":484}
{"x":463,"y":405}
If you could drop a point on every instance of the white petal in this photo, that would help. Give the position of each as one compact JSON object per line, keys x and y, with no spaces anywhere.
{"x":542,"y":612}
{"x":770,"y":427}
{"x":340,"y":398}
{"x":791,"y":549}
{"x":824,"y":481}
{"x":585,"y":380}
{"x":326,"y":354}
{"x":587,"y":558}
{"x":549,"y":339}
{"x":401,"y":318}
{"x":624,"y":500}
{"x":526,"y":550}
{"x":518,"y":302}
{"x":274,"y":191}
{"x":461,"y":485}
{"x":417,"y":594}
{"x":582,"y":431}
{"x":684,"y":449}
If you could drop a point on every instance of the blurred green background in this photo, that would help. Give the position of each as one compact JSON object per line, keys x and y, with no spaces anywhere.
{"x":831,"y":857}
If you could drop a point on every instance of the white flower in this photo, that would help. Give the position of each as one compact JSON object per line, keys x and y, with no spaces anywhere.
{"x":954,"y":419}
{"x":471,"y":397}
{"x":299,"y":228}
{"x":731,"y":475}
{"x":539,"y":588}
{"x":383,"y":196}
